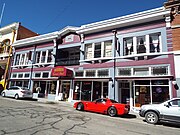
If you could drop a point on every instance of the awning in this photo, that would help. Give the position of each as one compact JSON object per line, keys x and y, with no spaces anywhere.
{"x":61,"y":71}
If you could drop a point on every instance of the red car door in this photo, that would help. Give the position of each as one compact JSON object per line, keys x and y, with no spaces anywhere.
{"x":100,"y":106}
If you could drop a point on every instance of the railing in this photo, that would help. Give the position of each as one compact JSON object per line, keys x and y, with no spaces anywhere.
{"x":67,"y":61}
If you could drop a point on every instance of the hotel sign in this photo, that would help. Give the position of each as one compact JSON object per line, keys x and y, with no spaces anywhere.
{"x":60,"y":71}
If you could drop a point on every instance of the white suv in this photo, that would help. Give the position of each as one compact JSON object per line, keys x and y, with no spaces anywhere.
{"x":166,"y":111}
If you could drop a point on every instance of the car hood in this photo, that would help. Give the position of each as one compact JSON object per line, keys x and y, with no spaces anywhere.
{"x":149,"y":106}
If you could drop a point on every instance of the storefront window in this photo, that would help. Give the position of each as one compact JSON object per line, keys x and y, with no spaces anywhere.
{"x":76,"y":92}
{"x":86,"y":91}
{"x":142,"y":95}
{"x":150,"y":91}
{"x":160,"y":94}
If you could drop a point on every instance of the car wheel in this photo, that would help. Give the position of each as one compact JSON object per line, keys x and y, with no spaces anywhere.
{"x":80,"y":107}
{"x":151,"y":117}
{"x":3,"y":94}
{"x":112,"y":111}
{"x":16,"y":96}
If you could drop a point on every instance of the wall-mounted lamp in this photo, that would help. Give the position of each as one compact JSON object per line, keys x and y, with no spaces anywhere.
{"x":175,"y":85}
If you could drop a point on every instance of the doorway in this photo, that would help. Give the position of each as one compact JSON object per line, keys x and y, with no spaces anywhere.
{"x":124,"y":92}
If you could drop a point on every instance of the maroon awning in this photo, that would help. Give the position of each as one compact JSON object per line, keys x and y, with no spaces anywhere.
{"x":61,"y":71}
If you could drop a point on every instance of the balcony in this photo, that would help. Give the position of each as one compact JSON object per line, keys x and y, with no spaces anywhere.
{"x":67,"y":61}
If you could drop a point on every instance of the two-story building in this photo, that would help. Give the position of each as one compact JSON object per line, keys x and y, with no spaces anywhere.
{"x":8,"y":35}
{"x":129,"y":59}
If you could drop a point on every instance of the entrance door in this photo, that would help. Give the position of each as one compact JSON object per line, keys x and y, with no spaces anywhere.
{"x":65,"y":89}
{"x":97,"y":88}
{"x":124,"y":91}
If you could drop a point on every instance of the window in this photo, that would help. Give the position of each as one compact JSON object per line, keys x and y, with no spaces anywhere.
{"x":43,"y":57}
{"x":49,"y":59}
{"x":28,"y":57}
{"x":141,"y":71}
{"x":79,"y":73}
{"x":142,"y":44}
{"x":14,"y":75}
{"x":37,"y":74}
{"x":107,"y":48}
{"x":22,"y":58}
{"x":26,"y":75}
{"x":97,"y":50}
{"x":45,"y":75}
{"x":160,"y":70}
{"x":38,"y":57}
{"x":88,"y":51}
{"x":128,"y":46}
{"x":20,"y":75}
{"x":17,"y":59}
{"x":90,"y":73}
{"x":101,"y":73}
{"x":124,"y":72}
{"x":154,"y":42}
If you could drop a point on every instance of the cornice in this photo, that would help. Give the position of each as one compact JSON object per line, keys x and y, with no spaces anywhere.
{"x":140,"y":17}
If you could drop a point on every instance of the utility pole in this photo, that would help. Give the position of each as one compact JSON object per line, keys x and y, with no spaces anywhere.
{"x":2,"y":14}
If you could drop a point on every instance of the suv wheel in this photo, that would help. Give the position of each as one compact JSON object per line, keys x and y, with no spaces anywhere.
{"x":151,"y":117}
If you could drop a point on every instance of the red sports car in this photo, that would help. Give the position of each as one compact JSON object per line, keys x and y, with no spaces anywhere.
{"x":103,"y":105}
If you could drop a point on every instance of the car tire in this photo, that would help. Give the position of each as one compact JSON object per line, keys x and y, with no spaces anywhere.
{"x":151,"y":117}
{"x":3,"y":94}
{"x":80,"y":107}
{"x":112,"y":111}
{"x":16,"y":96}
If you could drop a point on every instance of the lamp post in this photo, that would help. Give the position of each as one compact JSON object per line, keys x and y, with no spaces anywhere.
{"x":114,"y":62}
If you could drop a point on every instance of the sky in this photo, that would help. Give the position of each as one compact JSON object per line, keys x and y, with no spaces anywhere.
{"x":44,"y":16}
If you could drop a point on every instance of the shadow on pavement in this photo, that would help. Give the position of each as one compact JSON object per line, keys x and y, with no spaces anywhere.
{"x":129,"y":116}
{"x":167,"y":124}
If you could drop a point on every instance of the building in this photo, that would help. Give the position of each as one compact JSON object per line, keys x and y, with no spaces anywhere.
{"x":8,"y":35}
{"x":174,"y":6}
{"x":130,"y":59}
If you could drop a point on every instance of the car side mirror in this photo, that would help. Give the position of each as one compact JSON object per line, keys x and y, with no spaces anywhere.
{"x":166,"y":105}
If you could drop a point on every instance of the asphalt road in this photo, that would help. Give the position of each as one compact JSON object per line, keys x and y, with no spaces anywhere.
{"x":23,"y":117}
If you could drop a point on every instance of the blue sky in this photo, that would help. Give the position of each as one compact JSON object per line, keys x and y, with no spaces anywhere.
{"x":44,"y":16}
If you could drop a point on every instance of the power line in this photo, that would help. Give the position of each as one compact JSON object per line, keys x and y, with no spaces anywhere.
{"x":63,"y":10}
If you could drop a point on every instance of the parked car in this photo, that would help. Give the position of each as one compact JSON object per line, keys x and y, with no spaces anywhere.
{"x":17,"y":92}
{"x":104,"y":106}
{"x":166,"y":111}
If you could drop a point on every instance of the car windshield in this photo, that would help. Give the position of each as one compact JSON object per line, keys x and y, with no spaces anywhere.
{"x":113,"y":101}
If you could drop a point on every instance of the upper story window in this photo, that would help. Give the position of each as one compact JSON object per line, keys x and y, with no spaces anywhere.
{"x":142,"y":44}
{"x":5,"y":46}
{"x":98,"y":50}
{"x":107,"y":48}
{"x":44,"y":56}
{"x":38,"y":57}
{"x":49,"y":59}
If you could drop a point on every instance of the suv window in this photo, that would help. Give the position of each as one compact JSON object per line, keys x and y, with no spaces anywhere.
{"x":175,"y":103}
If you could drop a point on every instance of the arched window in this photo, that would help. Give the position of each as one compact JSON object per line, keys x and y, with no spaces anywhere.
{"x":5,"y":46}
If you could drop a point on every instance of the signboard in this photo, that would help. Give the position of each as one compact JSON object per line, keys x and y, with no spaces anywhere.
{"x":60,"y":71}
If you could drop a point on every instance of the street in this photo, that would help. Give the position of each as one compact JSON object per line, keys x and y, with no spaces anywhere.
{"x":26,"y":117}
